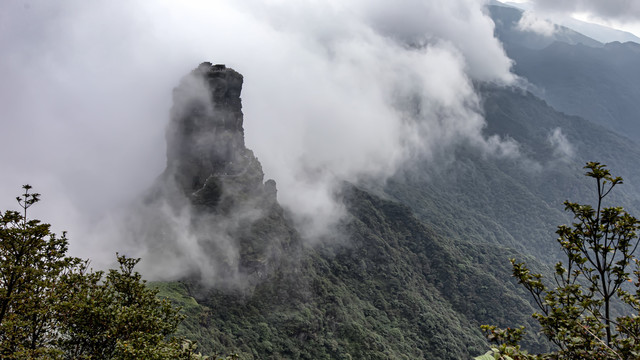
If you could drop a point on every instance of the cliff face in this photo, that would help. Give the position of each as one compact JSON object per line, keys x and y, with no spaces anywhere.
{"x":222,"y":220}
{"x":389,"y":286}
{"x":206,"y":153}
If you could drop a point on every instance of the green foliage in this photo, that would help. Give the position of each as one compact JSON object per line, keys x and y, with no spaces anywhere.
{"x":394,"y":290}
{"x":53,"y":307}
{"x":117,"y":317}
{"x":507,"y":344}
{"x":576,"y":314}
{"x":32,"y":267}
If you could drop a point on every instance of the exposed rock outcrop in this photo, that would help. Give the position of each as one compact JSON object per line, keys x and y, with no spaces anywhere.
{"x":234,"y":219}
{"x":206,"y":153}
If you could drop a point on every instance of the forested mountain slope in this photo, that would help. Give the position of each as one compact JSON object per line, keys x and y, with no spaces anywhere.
{"x":392,"y":288}
{"x":517,"y":202}
{"x":417,"y":266}
{"x":384,"y":285}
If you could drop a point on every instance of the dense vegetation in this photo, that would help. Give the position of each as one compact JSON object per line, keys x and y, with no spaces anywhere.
{"x":516,"y":203}
{"x":53,"y":307}
{"x":424,"y":259}
{"x":392,"y":289}
{"x":576,"y":311}
{"x":419,"y":264}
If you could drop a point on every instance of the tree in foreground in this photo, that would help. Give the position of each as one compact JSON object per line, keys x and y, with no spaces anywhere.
{"x":575,"y":313}
{"x":53,"y":307}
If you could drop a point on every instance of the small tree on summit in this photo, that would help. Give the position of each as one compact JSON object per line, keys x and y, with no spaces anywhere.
{"x":576,"y":313}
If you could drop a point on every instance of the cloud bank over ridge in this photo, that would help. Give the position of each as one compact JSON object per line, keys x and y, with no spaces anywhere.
{"x":332,"y":92}
{"x":622,"y":15}
{"x":620,"y":10}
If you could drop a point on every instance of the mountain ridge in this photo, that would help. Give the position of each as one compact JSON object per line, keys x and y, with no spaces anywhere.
{"x":598,"y":83}
{"x":419,"y":263}
{"x":601,"y":33}
{"x":202,"y":212}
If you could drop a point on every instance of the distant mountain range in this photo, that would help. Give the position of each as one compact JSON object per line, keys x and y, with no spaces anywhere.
{"x":574,"y":73}
{"x":597,"y":32}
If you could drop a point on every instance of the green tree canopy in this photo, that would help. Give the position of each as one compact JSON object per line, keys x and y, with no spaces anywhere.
{"x":53,"y":307}
{"x":575,"y":311}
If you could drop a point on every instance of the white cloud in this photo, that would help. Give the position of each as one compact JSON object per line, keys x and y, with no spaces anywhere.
{"x":530,"y":22}
{"x":562,"y":148}
{"x":622,"y":10}
{"x":333,"y":91}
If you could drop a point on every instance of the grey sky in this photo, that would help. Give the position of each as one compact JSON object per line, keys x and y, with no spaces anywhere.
{"x":622,"y":15}
{"x":620,"y":10}
{"x":86,"y":92}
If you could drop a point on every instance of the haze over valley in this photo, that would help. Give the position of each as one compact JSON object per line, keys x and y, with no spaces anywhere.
{"x":322,"y":179}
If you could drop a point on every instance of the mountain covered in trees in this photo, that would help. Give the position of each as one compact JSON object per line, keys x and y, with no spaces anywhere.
{"x":421,"y":259}
{"x":383,"y":288}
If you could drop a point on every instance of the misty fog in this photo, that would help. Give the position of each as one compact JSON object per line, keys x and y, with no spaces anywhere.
{"x":333,"y":91}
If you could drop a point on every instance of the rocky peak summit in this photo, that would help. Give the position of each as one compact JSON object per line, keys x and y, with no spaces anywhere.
{"x":221,"y":215}
{"x":206,"y":154}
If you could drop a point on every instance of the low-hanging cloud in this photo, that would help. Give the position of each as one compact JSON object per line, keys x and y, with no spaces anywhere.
{"x":562,"y":149}
{"x":333,"y":91}
{"x":616,"y":10}
{"x":530,"y":22}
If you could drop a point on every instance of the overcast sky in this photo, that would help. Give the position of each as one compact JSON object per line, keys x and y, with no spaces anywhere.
{"x":333,"y":90}
{"x":620,"y":14}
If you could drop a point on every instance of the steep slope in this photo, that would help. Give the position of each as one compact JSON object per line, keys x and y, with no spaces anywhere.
{"x":393,"y":289}
{"x":386,"y":286}
{"x":210,"y":215}
{"x":602,"y":85}
{"x":601,"y":33}
{"x":575,"y":74}
{"x":506,"y":21}
{"x":517,"y":203}
{"x":417,"y":266}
